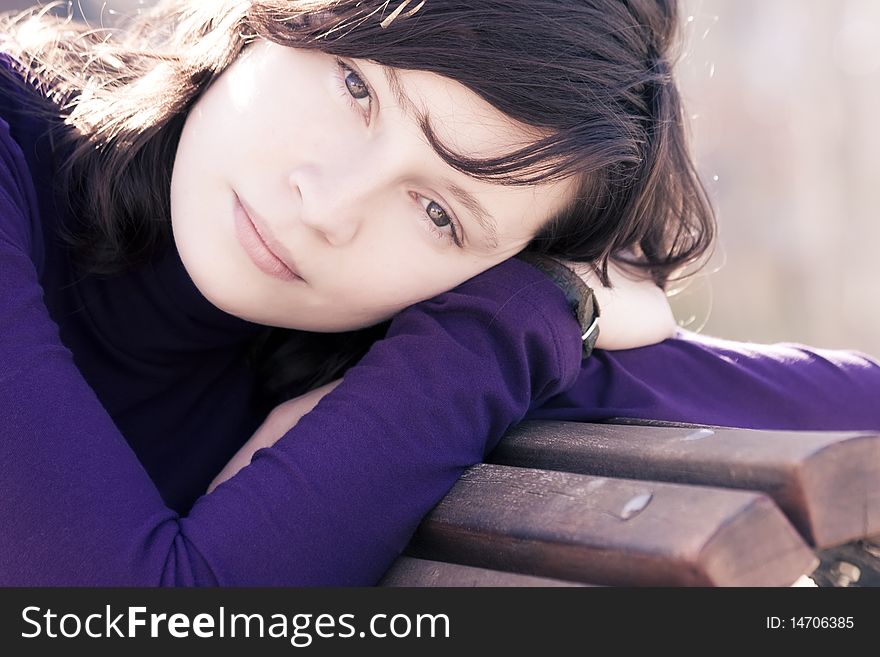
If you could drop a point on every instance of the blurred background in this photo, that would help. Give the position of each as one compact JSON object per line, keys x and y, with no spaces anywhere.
{"x":782,"y":97}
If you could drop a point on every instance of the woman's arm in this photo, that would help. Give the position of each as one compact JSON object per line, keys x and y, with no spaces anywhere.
{"x":634,"y":313}
{"x":333,"y":502}
{"x":708,"y":380}
{"x":282,"y":418}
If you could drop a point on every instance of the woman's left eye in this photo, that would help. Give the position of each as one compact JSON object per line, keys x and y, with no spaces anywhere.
{"x":354,"y":88}
{"x":440,"y":223}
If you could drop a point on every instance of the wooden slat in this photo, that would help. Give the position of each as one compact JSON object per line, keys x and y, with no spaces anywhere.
{"x":611,"y":531}
{"x":408,"y":571}
{"x":828,"y":483}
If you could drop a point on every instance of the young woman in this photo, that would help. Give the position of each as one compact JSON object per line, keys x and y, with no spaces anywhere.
{"x":228,"y":207}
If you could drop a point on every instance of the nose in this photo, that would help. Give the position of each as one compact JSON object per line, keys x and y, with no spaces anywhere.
{"x":333,"y":200}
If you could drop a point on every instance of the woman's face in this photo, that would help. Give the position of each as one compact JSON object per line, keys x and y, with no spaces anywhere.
{"x":331,"y":167}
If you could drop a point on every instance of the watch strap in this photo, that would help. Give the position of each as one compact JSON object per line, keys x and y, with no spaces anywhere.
{"x":579,"y":295}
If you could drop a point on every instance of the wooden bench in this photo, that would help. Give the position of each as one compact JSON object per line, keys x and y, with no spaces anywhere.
{"x":641,"y":503}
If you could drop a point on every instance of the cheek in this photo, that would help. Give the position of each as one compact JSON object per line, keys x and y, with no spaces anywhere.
{"x":413,"y":279}
{"x":300,"y":94}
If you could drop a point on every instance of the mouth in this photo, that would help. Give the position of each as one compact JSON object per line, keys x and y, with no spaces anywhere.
{"x":259,"y":243}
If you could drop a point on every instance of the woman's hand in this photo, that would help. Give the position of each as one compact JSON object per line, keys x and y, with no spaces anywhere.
{"x":634,"y":312}
{"x":279,"y":421}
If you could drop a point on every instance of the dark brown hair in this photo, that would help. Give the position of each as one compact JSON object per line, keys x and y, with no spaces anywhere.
{"x":594,"y":75}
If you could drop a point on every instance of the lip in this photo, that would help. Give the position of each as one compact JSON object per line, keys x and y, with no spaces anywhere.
{"x":259,"y":244}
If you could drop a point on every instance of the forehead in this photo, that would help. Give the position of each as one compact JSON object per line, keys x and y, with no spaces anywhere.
{"x":469,"y":126}
{"x":462,"y":120}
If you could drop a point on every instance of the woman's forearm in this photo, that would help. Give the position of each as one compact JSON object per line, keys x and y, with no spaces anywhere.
{"x":282,"y":418}
{"x":708,"y":380}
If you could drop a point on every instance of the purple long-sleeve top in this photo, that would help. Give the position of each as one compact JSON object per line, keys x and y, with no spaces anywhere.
{"x":122,"y":397}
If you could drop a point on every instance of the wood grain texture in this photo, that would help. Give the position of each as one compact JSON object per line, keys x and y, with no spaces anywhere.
{"x":827,"y":483}
{"x":409,"y":571}
{"x":611,"y":531}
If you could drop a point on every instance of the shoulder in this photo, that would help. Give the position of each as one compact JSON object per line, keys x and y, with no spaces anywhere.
{"x":18,"y":206}
{"x":17,"y":197}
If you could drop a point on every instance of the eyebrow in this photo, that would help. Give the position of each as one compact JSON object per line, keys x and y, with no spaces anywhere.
{"x":486,"y":221}
{"x":409,"y":107}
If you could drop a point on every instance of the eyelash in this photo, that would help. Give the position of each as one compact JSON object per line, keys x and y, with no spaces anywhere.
{"x":344,"y":70}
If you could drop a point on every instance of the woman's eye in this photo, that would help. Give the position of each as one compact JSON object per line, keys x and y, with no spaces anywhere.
{"x":356,"y":86}
{"x":436,"y":213}
{"x":353,"y":88}
{"x":440,"y":223}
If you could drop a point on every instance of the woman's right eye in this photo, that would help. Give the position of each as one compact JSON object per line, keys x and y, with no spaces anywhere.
{"x":354,"y":89}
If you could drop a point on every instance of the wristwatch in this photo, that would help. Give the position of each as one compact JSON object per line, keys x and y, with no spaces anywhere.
{"x":579,"y":295}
